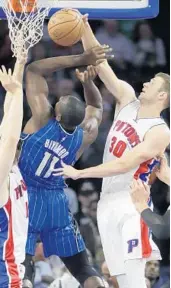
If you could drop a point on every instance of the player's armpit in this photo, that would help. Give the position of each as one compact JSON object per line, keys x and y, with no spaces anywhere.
{"x":37,"y":97}
{"x":121,"y":90}
{"x":31,"y":126}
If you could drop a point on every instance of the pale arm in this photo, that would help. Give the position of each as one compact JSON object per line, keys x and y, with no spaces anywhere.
{"x":132,"y":159}
{"x":11,"y":134}
{"x":18,"y":74}
{"x":122,"y":91}
{"x":94,"y":107}
{"x":145,"y":151}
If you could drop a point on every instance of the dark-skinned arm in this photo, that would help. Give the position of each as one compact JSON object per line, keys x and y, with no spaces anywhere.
{"x":37,"y":88}
{"x":94,"y":107}
{"x":92,"y":97}
{"x":47,"y":66}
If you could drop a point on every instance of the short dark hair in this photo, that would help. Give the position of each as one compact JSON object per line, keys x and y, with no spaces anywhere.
{"x":72,"y":112}
{"x":166,"y":86}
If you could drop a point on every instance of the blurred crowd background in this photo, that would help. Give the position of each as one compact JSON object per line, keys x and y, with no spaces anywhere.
{"x":141,"y":49}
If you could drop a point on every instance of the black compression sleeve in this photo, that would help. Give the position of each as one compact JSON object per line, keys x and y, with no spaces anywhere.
{"x":160,"y":225}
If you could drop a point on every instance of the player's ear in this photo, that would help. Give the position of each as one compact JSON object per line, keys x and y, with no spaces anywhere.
{"x":58,"y":117}
{"x":162,"y":95}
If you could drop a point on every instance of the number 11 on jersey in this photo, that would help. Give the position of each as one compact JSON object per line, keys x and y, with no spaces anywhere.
{"x":50,"y":160}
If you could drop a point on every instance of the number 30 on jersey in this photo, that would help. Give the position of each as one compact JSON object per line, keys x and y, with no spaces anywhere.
{"x":117,"y":148}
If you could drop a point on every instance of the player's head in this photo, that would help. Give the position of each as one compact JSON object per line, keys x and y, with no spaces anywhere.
{"x":70,"y":112}
{"x":157,"y":91}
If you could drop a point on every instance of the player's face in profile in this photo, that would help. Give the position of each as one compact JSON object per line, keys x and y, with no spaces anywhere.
{"x":151,"y":90}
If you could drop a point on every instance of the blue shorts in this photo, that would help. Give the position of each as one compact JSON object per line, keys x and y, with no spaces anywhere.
{"x":51,"y":220}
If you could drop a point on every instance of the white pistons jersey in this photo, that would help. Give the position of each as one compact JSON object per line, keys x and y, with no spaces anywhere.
{"x":13,"y":232}
{"x":126,"y":132}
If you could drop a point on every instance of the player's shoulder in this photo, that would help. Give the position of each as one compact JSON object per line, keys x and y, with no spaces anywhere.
{"x":159,"y":131}
{"x":161,"y":126}
{"x":127,"y":108}
{"x":31,"y":128}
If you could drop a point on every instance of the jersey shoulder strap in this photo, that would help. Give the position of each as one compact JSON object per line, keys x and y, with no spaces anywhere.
{"x":129,"y":109}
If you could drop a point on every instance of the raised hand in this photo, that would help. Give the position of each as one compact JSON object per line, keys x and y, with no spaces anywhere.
{"x":8,"y":81}
{"x":97,"y":55}
{"x":88,"y":75}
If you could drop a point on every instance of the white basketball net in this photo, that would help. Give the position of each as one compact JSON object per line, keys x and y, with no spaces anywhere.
{"x":26,"y":28}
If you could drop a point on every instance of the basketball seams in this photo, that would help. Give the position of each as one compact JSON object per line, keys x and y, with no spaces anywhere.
{"x":61,"y":14}
{"x":66,"y":27}
{"x":61,"y":24}
{"x":69,"y":31}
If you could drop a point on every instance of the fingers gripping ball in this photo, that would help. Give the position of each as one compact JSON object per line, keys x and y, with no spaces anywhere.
{"x":66,"y":27}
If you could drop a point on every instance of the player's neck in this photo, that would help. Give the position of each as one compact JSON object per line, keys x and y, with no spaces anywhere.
{"x":148,"y":111}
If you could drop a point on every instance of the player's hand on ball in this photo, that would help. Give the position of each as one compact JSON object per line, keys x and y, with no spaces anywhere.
{"x":86,"y":76}
{"x":67,"y":171}
{"x":97,"y":55}
{"x":8,"y":81}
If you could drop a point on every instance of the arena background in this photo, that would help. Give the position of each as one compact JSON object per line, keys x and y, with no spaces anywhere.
{"x":134,"y":62}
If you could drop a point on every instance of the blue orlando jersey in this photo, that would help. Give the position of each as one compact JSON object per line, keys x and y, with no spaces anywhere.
{"x":42,"y":152}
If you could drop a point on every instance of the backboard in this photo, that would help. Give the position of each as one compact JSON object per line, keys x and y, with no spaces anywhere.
{"x":110,"y":9}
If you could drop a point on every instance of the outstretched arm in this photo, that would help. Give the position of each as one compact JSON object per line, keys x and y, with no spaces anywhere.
{"x":10,"y":133}
{"x":121,"y":90}
{"x":130,"y":160}
{"x":36,"y":85}
{"x":94,"y":107}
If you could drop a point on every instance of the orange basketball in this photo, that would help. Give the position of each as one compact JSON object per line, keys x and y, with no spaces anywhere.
{"x":66,"y":27}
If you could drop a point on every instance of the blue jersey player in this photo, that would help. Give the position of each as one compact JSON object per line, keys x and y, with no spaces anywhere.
{"x":47,"y":141}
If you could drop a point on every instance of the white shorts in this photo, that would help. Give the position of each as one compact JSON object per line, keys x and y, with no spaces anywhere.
{"x":121,"y":232}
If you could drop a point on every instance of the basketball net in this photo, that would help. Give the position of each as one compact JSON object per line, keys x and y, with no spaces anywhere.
{"x":25,"y":23}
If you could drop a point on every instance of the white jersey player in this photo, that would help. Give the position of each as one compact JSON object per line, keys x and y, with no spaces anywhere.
{"x":138,"y":135}
{"x":13,"y":193}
